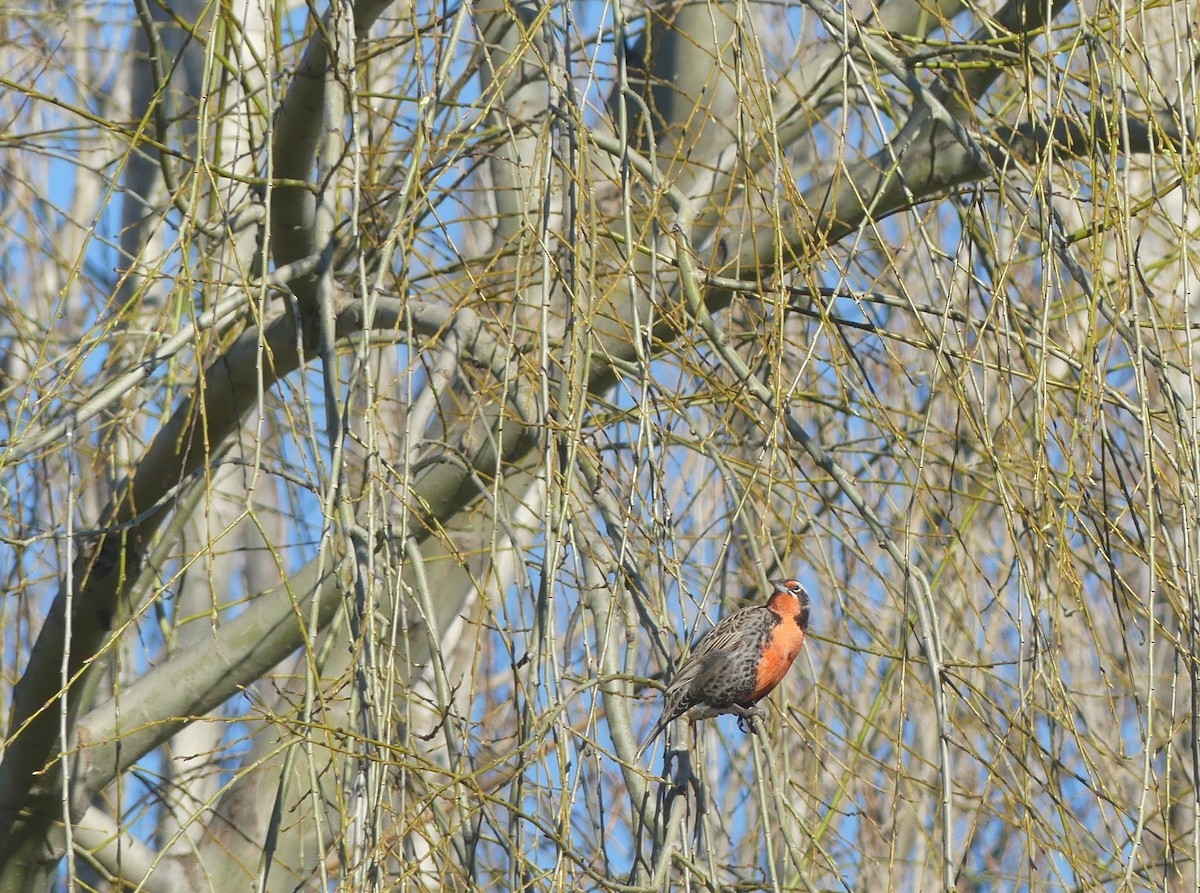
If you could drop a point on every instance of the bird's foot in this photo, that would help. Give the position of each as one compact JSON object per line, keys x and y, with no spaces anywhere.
{"x":747,"y":715}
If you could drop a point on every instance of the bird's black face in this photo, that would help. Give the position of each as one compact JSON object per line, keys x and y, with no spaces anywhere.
{"x":792,"y":588}
{"x":796,"y":591}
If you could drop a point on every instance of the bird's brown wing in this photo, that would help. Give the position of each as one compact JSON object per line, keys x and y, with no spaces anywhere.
{"x":735,"y":631}
{"x":711,"y":669}
{"x":730,"y":635}
{"x":709,"y":660}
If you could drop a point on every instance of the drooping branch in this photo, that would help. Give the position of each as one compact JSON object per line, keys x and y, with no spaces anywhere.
{"x":931,"y":154}
{"x":194,"y":437}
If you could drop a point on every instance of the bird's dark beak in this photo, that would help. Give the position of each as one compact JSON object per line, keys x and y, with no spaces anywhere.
{"x":780,"y":585}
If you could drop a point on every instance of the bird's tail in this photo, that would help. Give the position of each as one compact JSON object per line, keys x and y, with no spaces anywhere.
{"x":662,"y":723}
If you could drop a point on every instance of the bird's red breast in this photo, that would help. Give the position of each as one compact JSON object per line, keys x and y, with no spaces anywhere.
{"x":783,"y":643}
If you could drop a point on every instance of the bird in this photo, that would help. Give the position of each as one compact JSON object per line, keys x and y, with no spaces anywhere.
{"x":740,"y":661}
